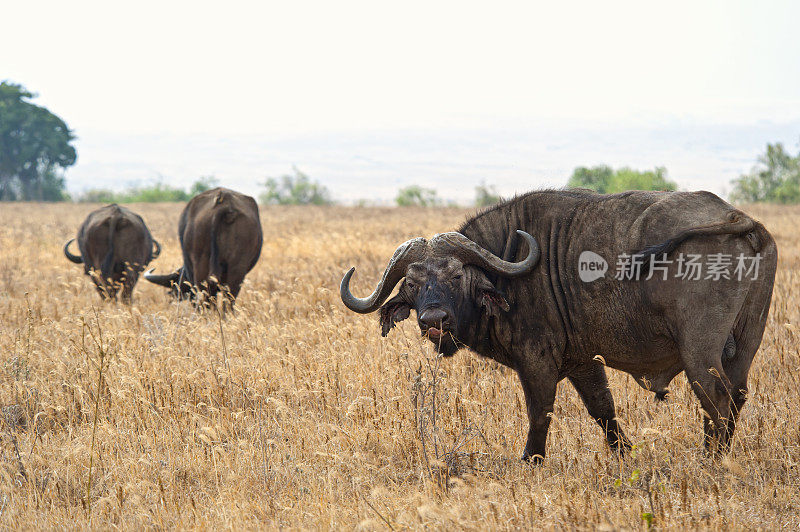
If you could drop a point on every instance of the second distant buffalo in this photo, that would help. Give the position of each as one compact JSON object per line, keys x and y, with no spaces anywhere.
{"x":220,"y":235}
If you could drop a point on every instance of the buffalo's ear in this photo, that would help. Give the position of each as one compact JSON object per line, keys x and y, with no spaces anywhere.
{"x":492,"y":298}
{"x":394,"y":310}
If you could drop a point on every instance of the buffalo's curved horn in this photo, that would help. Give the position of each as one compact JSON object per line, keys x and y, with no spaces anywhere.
{"x":408,"y":252}
{"x":161,"y":280}
{"x":471,"y":253}
{"x":74,"y":258}
{"x":157,"y":251}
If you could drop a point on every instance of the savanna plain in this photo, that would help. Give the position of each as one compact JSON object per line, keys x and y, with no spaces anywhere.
{"x":293,"y":412}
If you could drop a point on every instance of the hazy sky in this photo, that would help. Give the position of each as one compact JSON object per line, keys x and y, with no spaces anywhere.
{"x":244,"y":90}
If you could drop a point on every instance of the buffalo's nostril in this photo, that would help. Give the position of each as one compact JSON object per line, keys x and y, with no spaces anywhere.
{"x":432,"y":317}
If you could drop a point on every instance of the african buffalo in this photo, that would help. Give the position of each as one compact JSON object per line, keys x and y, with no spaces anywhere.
{"x":220,"y":234}
{"x":564,"y":312}
{"x":115,"y":247}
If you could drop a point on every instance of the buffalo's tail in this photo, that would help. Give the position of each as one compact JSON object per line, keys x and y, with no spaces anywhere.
{"x":736,"y":224}
{"x":107,"y":267}
{"x":223,"y":214}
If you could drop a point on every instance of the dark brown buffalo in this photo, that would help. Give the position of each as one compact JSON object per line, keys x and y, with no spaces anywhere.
{"x":115,"y":246}
{"x":489,"y":288}
{"x":220,"y":234}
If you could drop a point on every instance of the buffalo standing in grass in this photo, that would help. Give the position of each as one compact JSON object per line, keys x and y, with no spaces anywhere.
{"x":115,"y":246}
{"x":488,"y":287}
{"x":220,"y":234}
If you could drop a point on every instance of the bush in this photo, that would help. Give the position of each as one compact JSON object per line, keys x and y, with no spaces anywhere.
{"x":486,"y":195}
{"x":596,"y":178}
{"x":776,"y":179}
{"x":605,"y":180}
{"x":416,"y":196}
{"x":295,"y":189}
{"x":99,"y":195}
{"x":203,"y":184}
{"x":155,"y":193}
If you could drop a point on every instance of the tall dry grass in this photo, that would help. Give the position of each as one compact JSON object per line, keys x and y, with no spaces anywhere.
{"x":295,"y":412}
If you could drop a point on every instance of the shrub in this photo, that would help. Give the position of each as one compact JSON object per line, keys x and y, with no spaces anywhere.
{"x":416,"y":196}
{"x":154,"y":193}
{"x":295,"y":189}
{"x":486,"y":195}
{"x":203,"y":184}
{"x":605,"y":180}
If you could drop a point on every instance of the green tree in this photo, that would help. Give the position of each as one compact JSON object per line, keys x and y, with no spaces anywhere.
{"x":297,"y":189}
{"x":416,"y":196}
{"x":776,"y":179}
{"x":486,"y":195}
{"x":605,"y":180}
{"x":35,"y":148}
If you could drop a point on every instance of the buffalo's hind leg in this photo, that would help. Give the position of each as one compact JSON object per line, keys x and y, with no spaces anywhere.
{"x":744,"y":340}
{"x":128,"y":281}
{"x":738,"y":354}
{"x":592,"y":385}
{"x":702,"y":357}
{"x":736,"y":360}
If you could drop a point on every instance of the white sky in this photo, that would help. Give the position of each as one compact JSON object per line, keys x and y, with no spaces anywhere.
{"x":120,"y":73}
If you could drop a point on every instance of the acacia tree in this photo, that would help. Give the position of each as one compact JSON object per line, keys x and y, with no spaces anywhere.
{"x":35,"y":148}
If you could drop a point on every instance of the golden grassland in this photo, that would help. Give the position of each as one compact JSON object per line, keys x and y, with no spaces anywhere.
{"x":294,"y":412}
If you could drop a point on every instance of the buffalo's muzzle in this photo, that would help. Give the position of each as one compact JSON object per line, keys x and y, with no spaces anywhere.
{"x":433,"y":321}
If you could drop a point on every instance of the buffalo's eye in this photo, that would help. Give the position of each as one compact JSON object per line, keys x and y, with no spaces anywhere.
{"x":410,"y":285}
{"x":457,"y":277}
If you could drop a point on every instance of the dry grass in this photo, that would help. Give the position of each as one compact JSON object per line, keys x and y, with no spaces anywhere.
{"x":302,"y":416}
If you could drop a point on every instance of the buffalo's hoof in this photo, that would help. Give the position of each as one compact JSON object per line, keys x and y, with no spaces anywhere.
{"x":535,"y":459}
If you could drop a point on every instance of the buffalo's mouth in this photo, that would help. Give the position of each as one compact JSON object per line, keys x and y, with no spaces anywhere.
{"x":443,"y":339}
{"x":433,"y":333}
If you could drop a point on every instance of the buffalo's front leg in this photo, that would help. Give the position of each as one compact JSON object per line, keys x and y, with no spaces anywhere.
{"x":592,"y":385}
{"x":539,"y":387}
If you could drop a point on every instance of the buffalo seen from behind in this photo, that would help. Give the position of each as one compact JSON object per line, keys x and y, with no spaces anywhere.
{"x":508,"y":286}
{"x":115,"y":246}
{"x":221,"y":237}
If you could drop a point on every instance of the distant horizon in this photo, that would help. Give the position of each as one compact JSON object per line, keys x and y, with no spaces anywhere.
{"x":373,"y":165}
